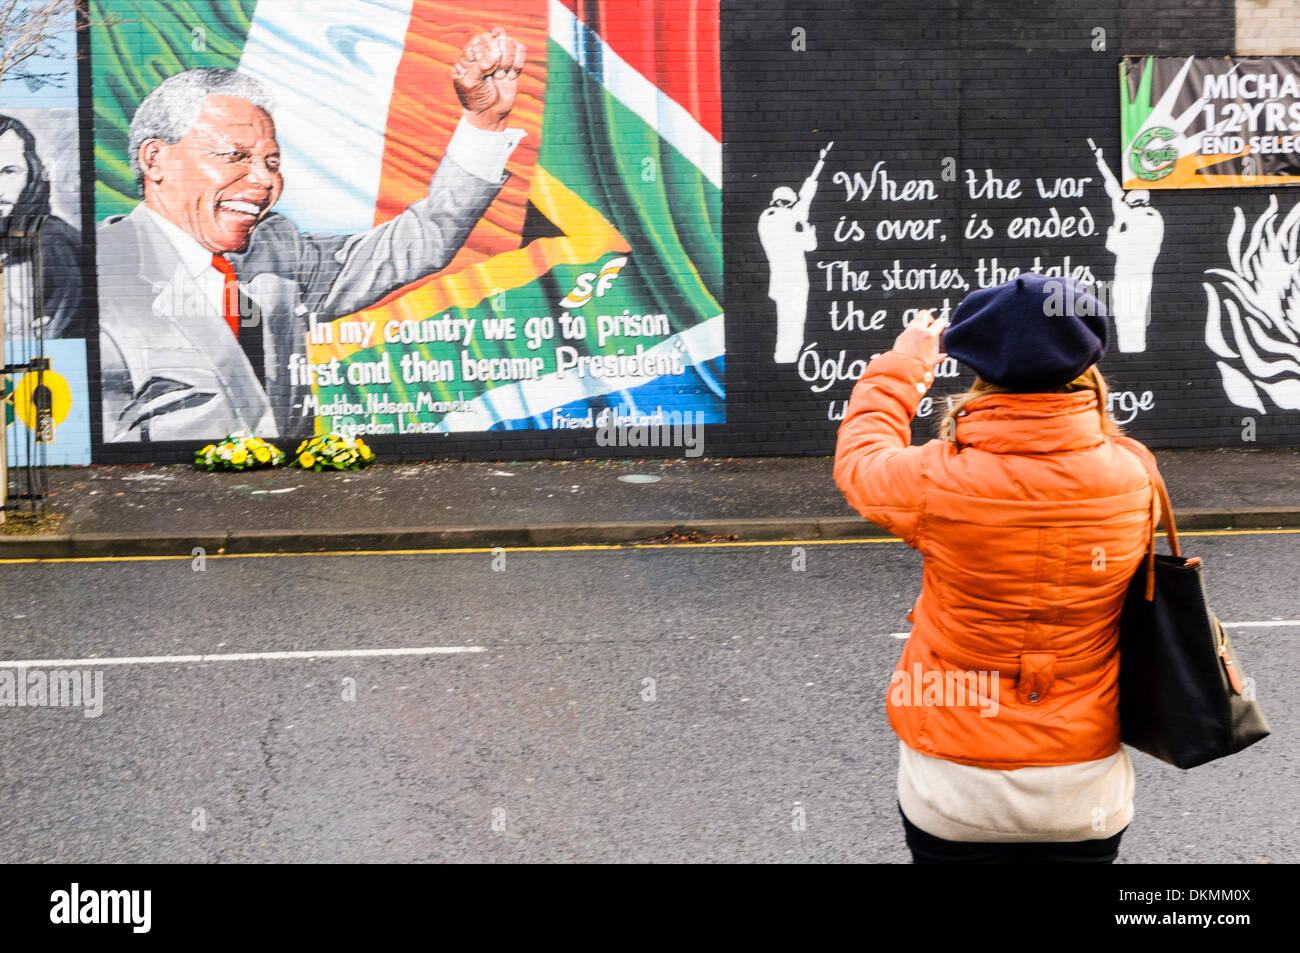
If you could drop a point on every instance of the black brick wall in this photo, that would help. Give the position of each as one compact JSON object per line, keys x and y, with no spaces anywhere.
{"x":1012,"y":87}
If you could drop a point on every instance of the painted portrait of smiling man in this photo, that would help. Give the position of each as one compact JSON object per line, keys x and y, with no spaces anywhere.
{"x":207,"y":294}
{"x":25,"y":205}
{"x":222,"y":176}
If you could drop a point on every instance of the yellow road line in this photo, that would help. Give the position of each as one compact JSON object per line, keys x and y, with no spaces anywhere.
{"x":588,"y":547}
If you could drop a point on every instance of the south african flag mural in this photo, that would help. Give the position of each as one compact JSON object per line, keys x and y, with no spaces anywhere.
{"x":585,"y":288}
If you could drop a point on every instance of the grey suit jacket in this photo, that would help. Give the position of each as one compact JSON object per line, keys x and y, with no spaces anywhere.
{"x":171,"y":370}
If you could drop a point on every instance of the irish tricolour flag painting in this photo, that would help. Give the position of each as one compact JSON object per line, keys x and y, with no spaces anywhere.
{"x":406,"y":216}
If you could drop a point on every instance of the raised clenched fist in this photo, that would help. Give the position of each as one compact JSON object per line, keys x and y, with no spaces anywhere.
{"x":486,"y":78}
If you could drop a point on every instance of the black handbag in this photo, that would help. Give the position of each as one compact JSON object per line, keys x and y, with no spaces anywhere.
{"x":1183,"y":697}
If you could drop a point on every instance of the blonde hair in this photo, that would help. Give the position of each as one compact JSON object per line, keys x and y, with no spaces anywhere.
{"x":1091,"y":379}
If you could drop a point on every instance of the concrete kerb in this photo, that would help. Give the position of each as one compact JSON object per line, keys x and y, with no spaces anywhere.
{"x":143,"y":544}
{"x":1281,"y":517}
{"x":250,"y":542}
{"x":53,"y":546}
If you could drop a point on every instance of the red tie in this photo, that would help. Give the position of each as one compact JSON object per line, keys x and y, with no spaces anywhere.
{"x":231,"y":296}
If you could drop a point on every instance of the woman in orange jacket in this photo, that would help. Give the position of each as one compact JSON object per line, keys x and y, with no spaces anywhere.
{"x":1032,"y":513}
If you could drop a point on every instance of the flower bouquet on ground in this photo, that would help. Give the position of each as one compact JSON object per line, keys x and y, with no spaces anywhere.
{"x":240,"y":451}
{"x":334,"y":451}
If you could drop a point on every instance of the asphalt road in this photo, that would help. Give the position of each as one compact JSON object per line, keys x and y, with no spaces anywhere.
{"x":544,"y":741}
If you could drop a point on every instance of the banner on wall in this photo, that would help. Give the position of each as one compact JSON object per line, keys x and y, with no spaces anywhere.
{"x":1202,"y":122}
{"x":400,"y":264}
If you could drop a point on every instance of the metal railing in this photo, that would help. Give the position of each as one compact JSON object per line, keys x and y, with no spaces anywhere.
{"x":24,"y":474}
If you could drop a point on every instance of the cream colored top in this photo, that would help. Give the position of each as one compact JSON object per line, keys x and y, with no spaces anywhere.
{"x":1060,"y":803}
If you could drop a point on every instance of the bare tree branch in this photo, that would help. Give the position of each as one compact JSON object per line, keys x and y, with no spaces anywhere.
{"x":32,"y":28}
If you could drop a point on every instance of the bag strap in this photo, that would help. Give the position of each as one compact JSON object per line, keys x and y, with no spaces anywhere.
{"x":1159,"y":492}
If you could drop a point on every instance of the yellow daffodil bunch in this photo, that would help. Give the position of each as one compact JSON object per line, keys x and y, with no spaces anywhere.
{"x":239,"y":451}
{"x":334,"y":451}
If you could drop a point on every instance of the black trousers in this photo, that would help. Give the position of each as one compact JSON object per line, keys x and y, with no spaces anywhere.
{"x":928,"y":849}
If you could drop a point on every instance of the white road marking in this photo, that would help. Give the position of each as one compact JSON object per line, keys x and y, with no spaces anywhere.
{"x":239,"y":657}
{"x":374,"y":653}
{"x":1259,"y":625}
{"x":1271,"y":623}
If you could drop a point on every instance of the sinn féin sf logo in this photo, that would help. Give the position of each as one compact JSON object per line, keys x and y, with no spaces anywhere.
{"x":1152,"y":155}
{"x":592,"y":283}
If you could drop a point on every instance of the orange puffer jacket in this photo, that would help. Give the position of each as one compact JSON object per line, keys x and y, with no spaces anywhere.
{"x":1031,"y":525}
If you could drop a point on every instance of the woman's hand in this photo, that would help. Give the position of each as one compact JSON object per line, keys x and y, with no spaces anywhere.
{"x":920,"y":339}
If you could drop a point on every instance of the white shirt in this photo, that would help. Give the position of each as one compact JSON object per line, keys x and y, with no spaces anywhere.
{"x":196,"y":261}
{"x":480,"y":152}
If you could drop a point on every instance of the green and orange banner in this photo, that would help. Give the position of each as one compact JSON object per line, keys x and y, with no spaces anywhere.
{"x":1202,"y":122}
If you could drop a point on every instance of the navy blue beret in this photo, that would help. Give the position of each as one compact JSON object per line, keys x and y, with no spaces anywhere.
{"x":1030,"y":333}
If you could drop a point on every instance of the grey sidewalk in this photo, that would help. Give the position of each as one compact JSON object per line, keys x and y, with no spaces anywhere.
{"x":131,"y":510}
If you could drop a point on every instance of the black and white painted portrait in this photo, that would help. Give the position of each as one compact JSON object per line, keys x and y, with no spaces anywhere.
{"x":39,"y":189}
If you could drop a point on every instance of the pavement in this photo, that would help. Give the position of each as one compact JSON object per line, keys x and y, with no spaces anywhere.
{"x":170,"y":509}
